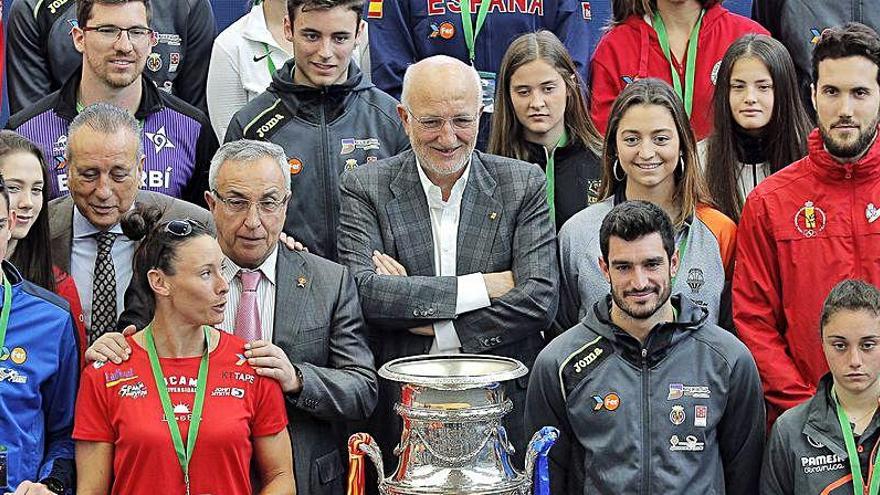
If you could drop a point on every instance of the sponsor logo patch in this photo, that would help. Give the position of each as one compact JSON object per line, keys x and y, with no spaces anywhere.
{"x":366,"y":144}
{"x":677,"y":415}
{"x":12,"y":376}
{"x":689,"y":444}
{"x":160,"y":140}
{"x":133,"y":390}
{"x":809,"y":219}
{"x":679,"y":390}
{"x":577,"y":366}
{"x":113,"y":378}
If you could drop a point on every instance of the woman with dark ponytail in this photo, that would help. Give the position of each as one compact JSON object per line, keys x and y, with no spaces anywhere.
{"x":215,"y":410}
{"x":26,"y":175}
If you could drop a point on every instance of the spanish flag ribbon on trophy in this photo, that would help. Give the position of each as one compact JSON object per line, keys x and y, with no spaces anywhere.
{"x":356,"y":466}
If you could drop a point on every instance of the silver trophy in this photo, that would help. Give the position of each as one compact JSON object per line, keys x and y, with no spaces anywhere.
{"x":453,"y":441}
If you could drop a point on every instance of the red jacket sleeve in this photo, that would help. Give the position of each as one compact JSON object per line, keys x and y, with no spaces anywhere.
{"x":605,"y":85}
{"x":758,"y":312}
{"x":66,"y":288}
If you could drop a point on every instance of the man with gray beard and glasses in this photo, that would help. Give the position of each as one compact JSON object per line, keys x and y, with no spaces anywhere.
{"x":452,"y":250}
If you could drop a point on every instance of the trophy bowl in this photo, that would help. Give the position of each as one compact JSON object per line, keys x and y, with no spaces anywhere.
{"x":453,"y":440}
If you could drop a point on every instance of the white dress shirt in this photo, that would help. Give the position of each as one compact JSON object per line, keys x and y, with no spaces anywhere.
{"x":472,"y":293}
{"x":265,"y":295}
{"x":84,"y":253}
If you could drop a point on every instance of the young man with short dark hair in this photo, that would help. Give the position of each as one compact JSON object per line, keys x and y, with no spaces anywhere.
{"x":328,"y":118}
{"x":649,"y":397}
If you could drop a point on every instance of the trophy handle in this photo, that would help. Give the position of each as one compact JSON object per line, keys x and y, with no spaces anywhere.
{"x":358,"y":445}
{"x":537,"y":469}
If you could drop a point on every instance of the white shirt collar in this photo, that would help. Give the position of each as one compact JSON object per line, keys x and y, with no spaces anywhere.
{"x":255,"y":28}
{"x":83,"y":228}
{"x":230,"y":269}
{"x":435,"y":195}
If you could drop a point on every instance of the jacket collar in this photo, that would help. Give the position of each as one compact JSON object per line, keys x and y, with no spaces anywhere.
{"x":282,"y":82}
{"x":710,"y":18}
{"x":151,"y":100}
{"x":9,"y":270}
{"x":254,"y":28}
{"x":822,"y":424}
{"x":829,"y":168}
{"x":690,"y":317}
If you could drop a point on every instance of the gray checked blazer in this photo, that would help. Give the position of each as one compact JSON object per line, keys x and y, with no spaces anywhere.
{"x":319,"y":325}
{"x":504,"y":225}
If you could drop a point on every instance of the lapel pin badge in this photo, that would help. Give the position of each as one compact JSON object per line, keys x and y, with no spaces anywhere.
{"x":493,"y":215}
{"x":301,"y":281}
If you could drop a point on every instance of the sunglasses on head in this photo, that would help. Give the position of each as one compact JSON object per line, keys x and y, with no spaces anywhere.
{"x":179,"y":228}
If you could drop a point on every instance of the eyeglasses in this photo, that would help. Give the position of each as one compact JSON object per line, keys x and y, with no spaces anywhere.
{"x":241,"y":205}
{"x":179,"y":228}
{"x":459,"y":122}
{"x":111,"y":34}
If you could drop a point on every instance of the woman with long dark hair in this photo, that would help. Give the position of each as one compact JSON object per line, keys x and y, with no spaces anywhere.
{"x":26,"y":175}
{"x":760,"y":124}
{"x":678,"y":41}
{"x":186,"y":413}
{"x":650,"y":154}
{"x":541,"y":117}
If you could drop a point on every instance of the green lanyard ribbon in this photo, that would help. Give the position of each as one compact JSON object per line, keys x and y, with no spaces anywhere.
{"x":686,"y":94}
{"x":7,"y":307}
{"x":470,"y":34}
{"x":550,"y":172}
{"x":853,"y":455}
{"x":184,"y":455}
{"x":269,"y":63}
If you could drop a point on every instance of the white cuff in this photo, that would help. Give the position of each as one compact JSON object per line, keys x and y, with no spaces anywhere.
{"x":472,"y":293}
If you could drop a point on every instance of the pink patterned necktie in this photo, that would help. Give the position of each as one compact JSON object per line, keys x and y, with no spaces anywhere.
{"x":247,"y":318}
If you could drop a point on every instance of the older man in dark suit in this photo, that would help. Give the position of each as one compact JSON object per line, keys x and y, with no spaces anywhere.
{"x":105,"y":159}
{"x":299,"y":312}
{"x":452,"y":250}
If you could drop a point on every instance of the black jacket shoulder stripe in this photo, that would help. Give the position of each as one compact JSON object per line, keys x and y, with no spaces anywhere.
{"x":267,"y":122}
{"x":577,"y":365}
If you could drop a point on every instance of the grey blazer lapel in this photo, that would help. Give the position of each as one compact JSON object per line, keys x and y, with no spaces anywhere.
{"x":479,"y":219}
{"x":61,"y":231}
{"x":293,"y":283}
{"x":410,"y":220}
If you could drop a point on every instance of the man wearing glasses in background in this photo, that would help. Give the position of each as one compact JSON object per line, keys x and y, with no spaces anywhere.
{"x":453,"y":250}
{"x":116,"y":43}
{"x":325,"y":114}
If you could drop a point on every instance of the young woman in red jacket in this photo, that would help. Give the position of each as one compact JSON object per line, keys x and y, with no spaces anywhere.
{"x":679,"y":41}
